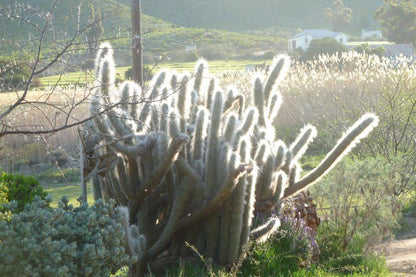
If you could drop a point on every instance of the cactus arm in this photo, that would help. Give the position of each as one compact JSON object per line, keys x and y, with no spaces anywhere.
{"x":159,"y":173}
{"x":210,"y":93}
{"x":299,"y":146}
{"x":264,"y":231}
{"x":359,"y":130}
{"x":104,"y":50}
{"x":213,"y":143}
{"x":119,"y":193}
{"x":267,"y":205}
{"x":187,"y":170}
{"x":259,"y":101}
{"x":250,"y":120}
{"x":136,"y":243}
{"x":107,"y":70}
{"x":134,"y":151}
{"x":199,"y":74}
{"x":199,"y":134}
{"x":157,"y":83}
{"x":280,"y":65}
{"x":124,"y":179}
{"x":230,"y":127}
{"x":249,"y":210}
{"x":178,"y":207}
{"x":274,"y":105}
{"x":183,"y":98}
{"x":226,"y":189}
{"x":238,"y":206}
{"x":166,"y":163}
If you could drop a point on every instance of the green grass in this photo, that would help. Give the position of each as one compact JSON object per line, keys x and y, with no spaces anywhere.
{"x":217,"y":66}
{"x":71,"y":190}
{"x":375,"y":43}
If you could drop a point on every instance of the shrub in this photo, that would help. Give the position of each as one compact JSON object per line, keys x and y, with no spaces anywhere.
{"x":5,"y":214}
{"x":325,"y":46}
{"x":291,"y":248}
{"x":21,"y":189}
{"x":359,"y":210}
{"x":365,"y":48}
{"x":66,"y":241}
{"x":36,"y":82}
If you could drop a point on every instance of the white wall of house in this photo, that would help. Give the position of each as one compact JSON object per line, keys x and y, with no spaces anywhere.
{"x":304,"y":40}
{"x":371,"y":34}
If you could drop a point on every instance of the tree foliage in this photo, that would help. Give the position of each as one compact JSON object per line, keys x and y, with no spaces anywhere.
{"x":365,"y":48}
{"x":20,"y":188}
{"x":96,"y":30}
{"x":398,"y":20}
{"x":339,"y":15}
{"x":327,"y":46}
{"x":13,"y":72}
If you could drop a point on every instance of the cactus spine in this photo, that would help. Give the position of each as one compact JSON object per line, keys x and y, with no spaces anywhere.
{"x":192,"y":164}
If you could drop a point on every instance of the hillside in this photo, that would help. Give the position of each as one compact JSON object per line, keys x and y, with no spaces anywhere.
{"x":159,"y":37}
{"x":242,"y":15}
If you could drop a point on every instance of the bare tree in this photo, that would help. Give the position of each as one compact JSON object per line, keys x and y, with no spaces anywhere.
{"x":53,"y":36}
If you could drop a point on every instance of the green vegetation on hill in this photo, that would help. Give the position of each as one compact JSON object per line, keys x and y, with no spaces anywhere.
{"x":242,"y":15}
{"x":159,"y":37}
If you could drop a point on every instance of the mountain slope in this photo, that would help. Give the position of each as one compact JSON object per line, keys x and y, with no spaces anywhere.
{"x":159,"y":37}
{"x":242,"y":15}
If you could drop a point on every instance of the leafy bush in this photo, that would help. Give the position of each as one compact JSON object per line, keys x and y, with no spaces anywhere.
{"x":66,"y":241}
{"x":291,"y":248}
{"x":358,"y":208}
{"x":325,"y":46}
{"x":5,"y":214}
{"x":365,"y":48}
{"x":21,"y":189}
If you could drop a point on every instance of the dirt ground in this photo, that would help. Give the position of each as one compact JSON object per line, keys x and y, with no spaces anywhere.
{"x":401,"y":253}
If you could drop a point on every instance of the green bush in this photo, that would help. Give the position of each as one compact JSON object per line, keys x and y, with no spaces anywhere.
{"x":290,"y":249}
{"x":66,"y":241}
{"x":325,"y":46}
{"x":5,"y":214}
{"x":21,"y":189}
{"x":365,"y":48}
{"x":358,"y":210}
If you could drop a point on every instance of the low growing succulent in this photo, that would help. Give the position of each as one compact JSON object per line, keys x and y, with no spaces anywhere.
{"x":64,"y":241}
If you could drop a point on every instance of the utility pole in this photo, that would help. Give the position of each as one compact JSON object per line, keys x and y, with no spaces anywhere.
{"x":137,"y":42}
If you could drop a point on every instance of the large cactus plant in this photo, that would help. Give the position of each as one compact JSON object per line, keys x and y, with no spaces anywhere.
{"x":193,"y":163}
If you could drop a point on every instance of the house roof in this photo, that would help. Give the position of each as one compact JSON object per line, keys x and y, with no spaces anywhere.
{"x":316,"y":33}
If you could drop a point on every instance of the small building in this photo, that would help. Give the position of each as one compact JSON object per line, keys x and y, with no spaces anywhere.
{"x":373,"y":34}
{"x":303,"y":39}
{"x":190,"y":49}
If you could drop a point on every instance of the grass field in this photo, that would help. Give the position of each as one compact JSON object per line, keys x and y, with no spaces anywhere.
{"x":71,"y":190}
{"x":83,"y":77}
{"x":370,"y":43}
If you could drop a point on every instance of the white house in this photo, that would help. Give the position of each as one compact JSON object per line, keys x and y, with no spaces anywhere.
{"x":367,"y":33}
{"x":303,"y":39}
